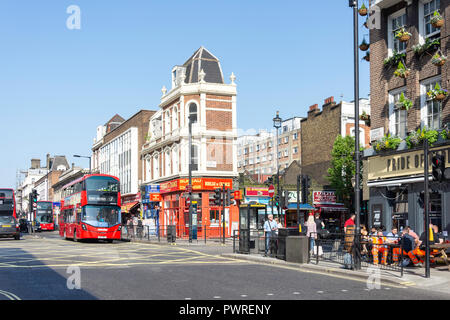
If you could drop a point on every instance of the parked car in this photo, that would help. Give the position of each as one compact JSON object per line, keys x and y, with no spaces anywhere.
{"x":9,"y":227}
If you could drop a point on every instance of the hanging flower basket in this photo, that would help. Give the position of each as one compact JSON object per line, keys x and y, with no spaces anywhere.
{"x":403,"y":103}
{"x":437,"y":93}
{"x":436,"y":20}
{"x":439,"y":60}
{"x":367,"y":57}
{"x":403,"y":35}
{"x":364,"y":46}
{"x":363,"y":10}
{"x":402,"y":71}
{"x":364,"y":116}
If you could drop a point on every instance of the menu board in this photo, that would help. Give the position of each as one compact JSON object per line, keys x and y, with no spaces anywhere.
{"x":377,"y":215}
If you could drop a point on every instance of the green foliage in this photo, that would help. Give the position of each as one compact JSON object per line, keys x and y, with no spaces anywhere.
{"x":404,"y":103}
{"x":427,"y":46}
{"x":400,"y":33}
{"x":436,"y":92}
{"x":401,"y":71}
{"x":436,"y":17}
{"x":343,"y":168}
{"x":416,"y":138}
{"x":388,"y":143}
{"x":395,"y":59}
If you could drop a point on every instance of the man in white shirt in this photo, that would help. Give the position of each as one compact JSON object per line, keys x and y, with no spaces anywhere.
{"x":270,"y":227}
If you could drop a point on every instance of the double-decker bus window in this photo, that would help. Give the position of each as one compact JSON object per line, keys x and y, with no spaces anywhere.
{"x":44,"y":212}
{"x":102,"y":184}
{"x":101,"y":216}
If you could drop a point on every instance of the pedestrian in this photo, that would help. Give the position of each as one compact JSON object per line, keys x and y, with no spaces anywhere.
{"x":364,"y":238}
{"x":349,"y":222}
{"x":379,"y":247}
{"x":311,"y":231}
{"x":319,"y":223}
{"x":270,"y":227}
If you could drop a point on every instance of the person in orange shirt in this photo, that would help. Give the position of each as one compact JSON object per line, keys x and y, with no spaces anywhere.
{"x":378,"y":246}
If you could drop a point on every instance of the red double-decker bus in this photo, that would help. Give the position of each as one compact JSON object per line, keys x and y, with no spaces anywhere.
{"x":44,"y":215}
{"x":7,"y":203}
{"x":91,"y":209}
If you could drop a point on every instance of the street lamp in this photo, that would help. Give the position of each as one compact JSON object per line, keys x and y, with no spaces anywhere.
{"x":354,"y":4}
{"x":78,"y":156}
{"x":277,"y":125}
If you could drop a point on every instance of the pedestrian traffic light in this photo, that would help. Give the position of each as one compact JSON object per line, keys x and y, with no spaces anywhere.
{"x":217,"y":197}
{"x":285,"y":200}
{"x":277,"y":200}
{"x":306,"y":184}
{"x":438,"y":167}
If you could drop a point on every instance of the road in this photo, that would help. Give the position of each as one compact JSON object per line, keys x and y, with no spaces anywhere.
{"x":47,"y":268}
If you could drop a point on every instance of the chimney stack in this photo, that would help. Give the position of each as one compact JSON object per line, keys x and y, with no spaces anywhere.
{"x":313,"y":109}
{"x":35,"y":163}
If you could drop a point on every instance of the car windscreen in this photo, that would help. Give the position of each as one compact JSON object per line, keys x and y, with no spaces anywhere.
{"x":101,"y":216}
{"x":7,"y":219}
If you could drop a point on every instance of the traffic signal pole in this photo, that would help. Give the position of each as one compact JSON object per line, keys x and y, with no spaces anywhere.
{"x":427,"y":209}
{"x":223,"y":211}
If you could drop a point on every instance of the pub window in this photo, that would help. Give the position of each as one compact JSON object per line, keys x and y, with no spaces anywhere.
{"x":400,"y":209}
{"x":398,"y":117}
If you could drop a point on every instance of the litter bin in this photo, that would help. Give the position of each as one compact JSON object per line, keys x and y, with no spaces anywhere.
{"x":171,"y":234}
{"x":297,"y":249}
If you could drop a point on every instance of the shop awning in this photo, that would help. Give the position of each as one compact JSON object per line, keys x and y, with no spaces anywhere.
{"x":303,"y":206}
{"x":331,"y":207}
{"x":128,"y":206}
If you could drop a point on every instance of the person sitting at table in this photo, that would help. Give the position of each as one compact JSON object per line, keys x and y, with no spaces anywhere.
{"x":379,"y":247}
{"x":392,"y":236}
{"x":407,"y":244}
{"x":418,"y":254}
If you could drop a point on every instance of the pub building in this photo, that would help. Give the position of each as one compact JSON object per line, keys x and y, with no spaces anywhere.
{"x":402,"y":103}
{"x":194,"y":131}
{"x":396,"y":188}
{"x":207,"y":217}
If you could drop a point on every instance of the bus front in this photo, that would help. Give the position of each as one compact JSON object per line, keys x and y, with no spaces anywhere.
{"x":44,"y":215}
{"x":7,"y":203}
{"x":100,"y":212}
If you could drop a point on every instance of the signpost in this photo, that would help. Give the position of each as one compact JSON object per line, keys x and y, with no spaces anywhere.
{"x":271,"y":191}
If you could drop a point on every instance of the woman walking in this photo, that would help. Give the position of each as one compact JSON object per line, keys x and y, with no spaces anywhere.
{"x":311,"y":231}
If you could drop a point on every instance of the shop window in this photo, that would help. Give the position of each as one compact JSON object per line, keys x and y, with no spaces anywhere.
{"x":214,"y":216}
{"x":400,"y":209}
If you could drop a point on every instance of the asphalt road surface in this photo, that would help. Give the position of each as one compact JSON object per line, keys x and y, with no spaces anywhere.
{"x":52,"y":268}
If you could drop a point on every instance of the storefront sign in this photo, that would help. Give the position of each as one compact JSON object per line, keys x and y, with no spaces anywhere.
{"x":155,"y":197}
{"x":324,"y":197}
{"x":197,"y":184}
{"x":257,"y":192}
{"x":403,"y":164}
{"x":377,"y":215}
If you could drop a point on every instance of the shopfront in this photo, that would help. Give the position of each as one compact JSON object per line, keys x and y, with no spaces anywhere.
{"x":396,"y":189}
{"x":332,"y":213}
{"x":207,"y":217}
{"x":131,"y":206}
{"x":151,"y":204}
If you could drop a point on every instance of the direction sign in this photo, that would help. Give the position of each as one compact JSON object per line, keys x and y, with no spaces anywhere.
{"x":271,"y":190}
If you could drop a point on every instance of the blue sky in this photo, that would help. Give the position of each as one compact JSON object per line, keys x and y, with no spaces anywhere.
{"x":57,"y":85}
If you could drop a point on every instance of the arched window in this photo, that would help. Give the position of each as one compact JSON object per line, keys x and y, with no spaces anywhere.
{"x":175,"y":161}
{"x":193,"y":112}
{"x":175,"y":118}
{"x":156,"y":166}
{"x":168,"y":129}
{"x":148,"y":167}
{"x":168,"y":165}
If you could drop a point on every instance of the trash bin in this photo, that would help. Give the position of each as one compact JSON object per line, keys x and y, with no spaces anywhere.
{"x":297,"y":249}
{"x":283,"y":233}
{"x":171,"y":234}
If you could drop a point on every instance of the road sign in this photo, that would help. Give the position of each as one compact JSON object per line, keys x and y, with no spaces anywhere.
{"x":188,"y":202}
{"x":34,"y":204}
{"x":189,"y":188}
{"x":271,"y":190}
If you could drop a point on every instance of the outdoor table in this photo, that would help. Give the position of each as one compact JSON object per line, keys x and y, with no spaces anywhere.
{"x":442,"y":247}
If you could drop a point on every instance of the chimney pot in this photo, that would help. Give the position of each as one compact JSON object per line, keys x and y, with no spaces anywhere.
{"x":329,"y":100}
{"x":314,"y":107}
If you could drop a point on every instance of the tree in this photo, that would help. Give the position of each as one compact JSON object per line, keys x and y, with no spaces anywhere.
{"x":343,"y":168}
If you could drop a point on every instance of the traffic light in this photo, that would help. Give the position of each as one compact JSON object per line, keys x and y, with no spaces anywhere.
{"x":438,"y":167}
{"x":269,"y":181}
{"x":285,"y":200}
{"x":306,"y":184}
{"x":229,"y":197}
{"x":217,"y":197}
{"x":277,"y":200}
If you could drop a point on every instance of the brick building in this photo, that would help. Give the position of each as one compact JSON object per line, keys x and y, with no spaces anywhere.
{"x":199,"y":91}
{"x":395,"y":177}
{"x":116,"y":152}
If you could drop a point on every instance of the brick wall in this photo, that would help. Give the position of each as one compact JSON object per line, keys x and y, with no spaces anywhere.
{"x":382,"y":79}
{"x":318,"y":132}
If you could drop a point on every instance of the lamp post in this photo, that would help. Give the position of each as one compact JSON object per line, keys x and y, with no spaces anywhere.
{"x":354,"y":4}
{"x":277,"y":125}
{"x":190,"y":178}
{"x":78,"y":156}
